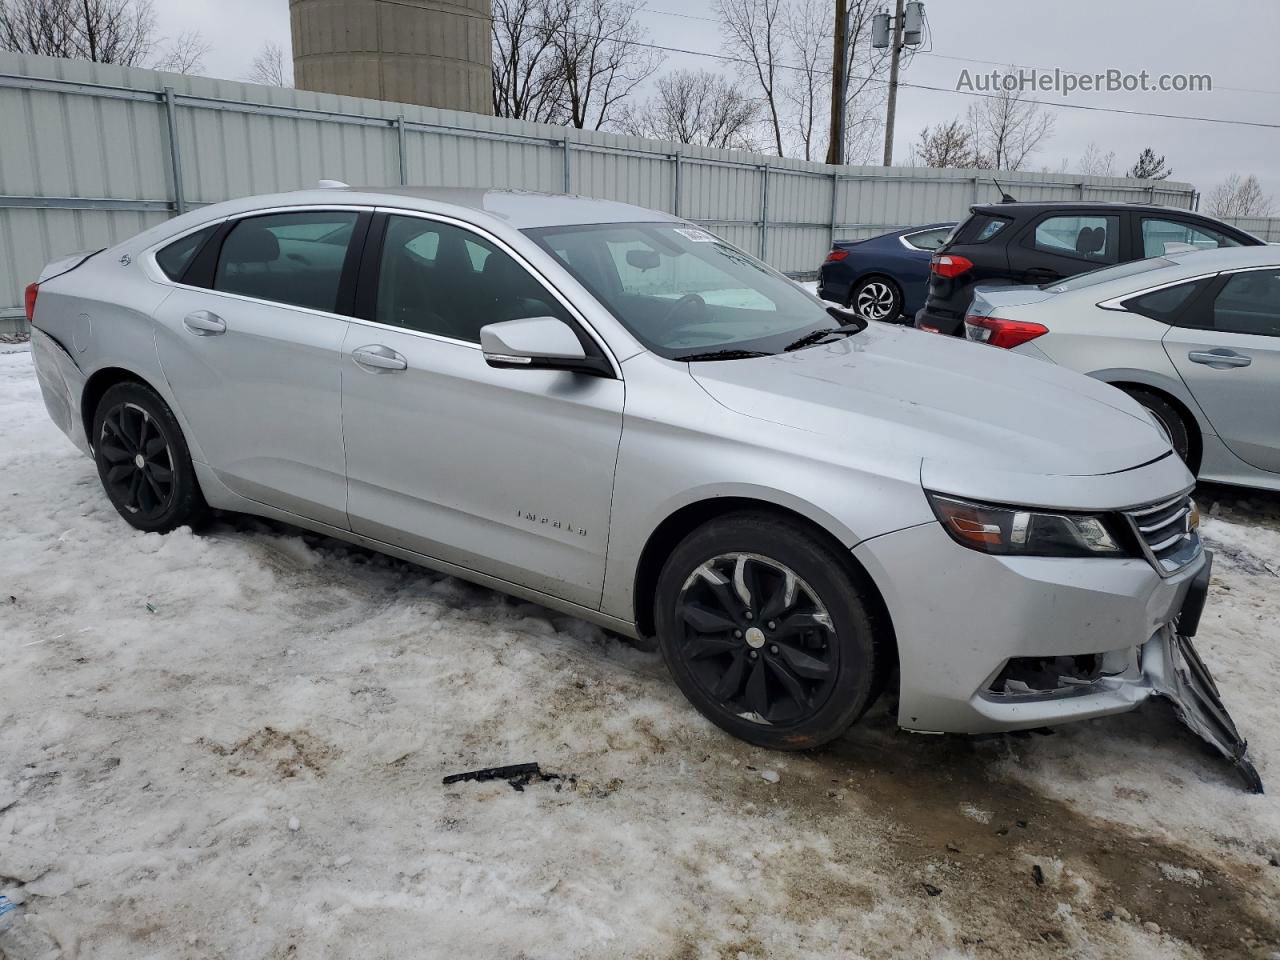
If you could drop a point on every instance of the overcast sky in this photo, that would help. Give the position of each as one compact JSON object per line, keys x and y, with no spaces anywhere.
{"x":1235,"y":42}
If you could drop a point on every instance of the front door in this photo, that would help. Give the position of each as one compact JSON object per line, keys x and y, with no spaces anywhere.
{"x":254,"y":360}
{"x":1230,"y":361}
{"x":503,"y":471}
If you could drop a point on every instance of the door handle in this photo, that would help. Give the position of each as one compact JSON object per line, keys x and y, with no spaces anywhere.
{"x":204,"y":324}
{"x":1219,"y":359}
{"x":379,"y":359}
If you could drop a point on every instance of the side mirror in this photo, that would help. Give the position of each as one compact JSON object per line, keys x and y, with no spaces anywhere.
{"x":538,"y":343}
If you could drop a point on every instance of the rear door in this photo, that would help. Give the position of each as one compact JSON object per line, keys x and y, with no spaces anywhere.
{"x":249,"y":341}
{"x":1059,"y":245}
{"x":503,"y":471}
{"x":1229,"y":357}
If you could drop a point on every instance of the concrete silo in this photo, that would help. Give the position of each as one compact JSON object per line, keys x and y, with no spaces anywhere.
{"x":430,"y":52}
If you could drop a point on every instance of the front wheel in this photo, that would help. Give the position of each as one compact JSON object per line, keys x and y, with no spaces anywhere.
{"x":766,"y":630}
{"x":143,"y":460}
{"x":1175,"y":427}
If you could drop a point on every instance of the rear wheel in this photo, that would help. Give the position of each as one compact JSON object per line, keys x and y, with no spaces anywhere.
{"x":143,"y":460}
{"x":876,"y":298}
{"x":1174,"y":424}
{"x":766,"y":631}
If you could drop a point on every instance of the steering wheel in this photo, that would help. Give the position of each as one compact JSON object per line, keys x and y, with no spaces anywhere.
{"x":681,"y":304}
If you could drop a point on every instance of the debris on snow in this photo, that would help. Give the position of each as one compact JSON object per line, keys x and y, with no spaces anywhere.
{"x":770,"y":776}
{"x":975,"y":813}
{"x":295,"y":824}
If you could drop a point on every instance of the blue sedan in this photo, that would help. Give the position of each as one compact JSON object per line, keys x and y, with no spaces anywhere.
{"x":884,"y":277}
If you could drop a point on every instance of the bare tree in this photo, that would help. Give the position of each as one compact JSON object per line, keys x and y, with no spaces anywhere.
{"x":695,"y":106}
{"x":526,"y":82}
{"x":805,"y":30}
{"x":269,"y":67}
{"x":1150,"y":167}
{"x":865,"y":85}
{"x":1007,"y":128}
{"x":1095,"y":163}
{"x":183,"y":55}
{"x":1239,"y":197}
{"x":597,"y":50}
{"x":754,"y":32}
{"x":946,"y":145}
{"x":104,"y":31}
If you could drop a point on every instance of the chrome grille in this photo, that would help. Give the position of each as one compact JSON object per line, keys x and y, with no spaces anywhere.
{"x":1165,"y":534}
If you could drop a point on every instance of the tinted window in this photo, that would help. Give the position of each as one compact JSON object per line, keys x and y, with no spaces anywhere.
{"x":1160,"y":237}
{"x":1163,"y":305}
{"x":293,"y":258}
{"x":982,"y":227}
{"x":441,"y":279}
{"x":928,"y":239}
{"x":1249,"y":303}
{"x":177,"y":256}
{"x":1092,"y":238}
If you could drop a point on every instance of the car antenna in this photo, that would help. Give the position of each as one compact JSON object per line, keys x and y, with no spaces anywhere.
{"x":1004,"y":197}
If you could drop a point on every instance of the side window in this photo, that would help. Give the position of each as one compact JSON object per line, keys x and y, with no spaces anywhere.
{"x":1092,"y":238}
{"x":989,"y":229}
{"x":292,"y":258}
{"x":1249,"y":302}
{"x":1164,"y":305}
{"x":441,"y":279}
{"x":177,"y":256}
{"x":1160,"y":237}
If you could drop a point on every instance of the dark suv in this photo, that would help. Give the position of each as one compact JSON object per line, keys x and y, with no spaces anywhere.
{"x":1035,"y":243}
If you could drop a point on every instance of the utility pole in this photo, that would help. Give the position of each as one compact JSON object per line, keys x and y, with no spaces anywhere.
{"x":893,"y":85}
{"x":839,"y":84}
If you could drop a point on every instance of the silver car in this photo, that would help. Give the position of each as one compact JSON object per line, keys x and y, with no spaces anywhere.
{"x":612,"y":412}
{"x":1193,"y":336}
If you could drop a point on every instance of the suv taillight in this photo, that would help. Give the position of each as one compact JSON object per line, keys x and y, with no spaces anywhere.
{"x":949,"y":265}
{"x":33,"y":290}
{"x":836,"y":255}
{"x":1002,"y":333}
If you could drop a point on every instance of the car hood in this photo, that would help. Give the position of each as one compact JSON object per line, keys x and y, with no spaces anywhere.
{"x":897,"y":392}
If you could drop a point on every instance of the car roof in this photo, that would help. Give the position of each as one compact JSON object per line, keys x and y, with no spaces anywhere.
{"x":1039,"y":206}
{"x":520,"y":209}
{"x":1227,"y":258}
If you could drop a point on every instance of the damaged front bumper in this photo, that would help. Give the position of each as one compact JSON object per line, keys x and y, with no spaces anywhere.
{"x":1167,"y":665}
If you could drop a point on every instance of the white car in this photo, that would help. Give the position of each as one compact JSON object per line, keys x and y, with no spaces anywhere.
{"x":1193,"y":336}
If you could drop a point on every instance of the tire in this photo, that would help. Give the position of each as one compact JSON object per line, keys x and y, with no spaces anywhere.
{"x":788,"y":680}
{"x":143,"y":460}
{"x":1175,"y":425}
{"x":876,"y":298}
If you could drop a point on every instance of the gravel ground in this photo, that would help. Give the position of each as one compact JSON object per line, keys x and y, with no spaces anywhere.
{"x":231,"y":745}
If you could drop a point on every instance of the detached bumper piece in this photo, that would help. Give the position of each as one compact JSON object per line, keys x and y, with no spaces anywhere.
{"x":1185,"y":680}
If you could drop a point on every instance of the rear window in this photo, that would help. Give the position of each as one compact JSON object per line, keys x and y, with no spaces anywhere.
{"x":177,"y":256}
{"x":980,"y":228}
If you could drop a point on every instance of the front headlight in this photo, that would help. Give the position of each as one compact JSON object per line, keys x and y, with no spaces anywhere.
{"x":991,"y":528}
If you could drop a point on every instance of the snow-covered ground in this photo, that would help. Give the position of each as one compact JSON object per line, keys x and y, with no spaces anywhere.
{"x":231,"y":745}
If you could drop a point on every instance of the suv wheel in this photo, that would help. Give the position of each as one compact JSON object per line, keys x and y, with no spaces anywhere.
{"x":143,"y":460}
{"x":1175,"y":426}
{"x":877,"y":298}
{"x":766,"y":631}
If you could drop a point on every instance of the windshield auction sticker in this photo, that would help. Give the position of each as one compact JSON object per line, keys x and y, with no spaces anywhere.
{"x":697,"y":236}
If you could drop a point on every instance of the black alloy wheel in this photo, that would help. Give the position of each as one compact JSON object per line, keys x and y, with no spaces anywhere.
{"x":143,"y":460}
{"x":771,"y":630}
{"x":757,"y":638}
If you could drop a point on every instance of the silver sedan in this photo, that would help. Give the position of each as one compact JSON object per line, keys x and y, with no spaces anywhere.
{"x":613,"y":412}
{"x":1193,"y":336}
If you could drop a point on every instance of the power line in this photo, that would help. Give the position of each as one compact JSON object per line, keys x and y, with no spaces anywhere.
{"x":726,"y":58}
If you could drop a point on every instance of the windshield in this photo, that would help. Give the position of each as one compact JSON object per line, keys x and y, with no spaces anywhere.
{"x":682,"y":291}
{"x":1104,"y":274}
